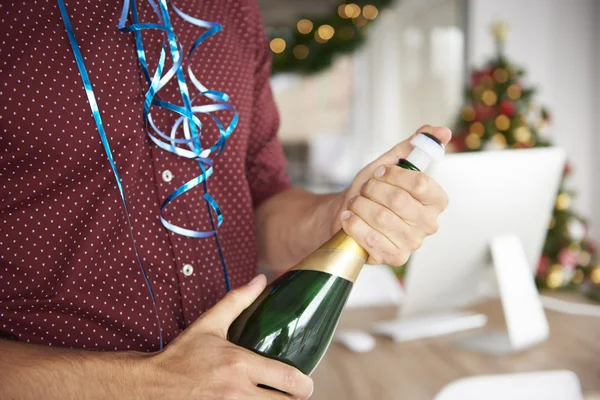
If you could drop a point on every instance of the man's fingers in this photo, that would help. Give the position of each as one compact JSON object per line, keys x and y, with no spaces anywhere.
{"x":418,"y":184}
{"x":379,"y":247}
{"x":220,"y":317}
{"x":280,"y":376}
{"x":383,"y":220}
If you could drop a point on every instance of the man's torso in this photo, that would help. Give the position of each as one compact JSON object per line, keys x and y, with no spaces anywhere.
{"x":68,"y":272}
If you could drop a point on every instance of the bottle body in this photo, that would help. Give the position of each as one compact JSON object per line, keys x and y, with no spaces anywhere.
{"x":294,"y":318}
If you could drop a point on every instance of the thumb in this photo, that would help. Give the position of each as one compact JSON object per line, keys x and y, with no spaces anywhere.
{"x":218,"y":319}
{"x":401,"y":150}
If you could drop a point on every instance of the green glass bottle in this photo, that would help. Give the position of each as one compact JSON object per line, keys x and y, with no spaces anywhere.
{"x":295,"y":317}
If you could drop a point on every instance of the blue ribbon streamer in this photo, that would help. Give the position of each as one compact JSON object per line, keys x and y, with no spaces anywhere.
{"x":192,"y":125}
{"x":98,"y":119}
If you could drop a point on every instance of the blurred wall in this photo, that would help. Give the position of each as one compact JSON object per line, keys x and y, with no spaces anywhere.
{"x":410,"y":72}
{"x":557,"y":42}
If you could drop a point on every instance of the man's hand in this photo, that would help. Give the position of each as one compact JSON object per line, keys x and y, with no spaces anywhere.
{"x":202,"y":364}
{"x":389,"y":210}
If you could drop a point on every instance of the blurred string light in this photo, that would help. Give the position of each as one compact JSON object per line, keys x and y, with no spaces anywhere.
{"x":277,"y":45}
{"x":286,"y":41}
{"x":349,"y":10}
{"x":360,"y":21}
{"x":324,"y":33}
{"x":370,"y":12}
{"x":301,"y":51}
{"x":305,"y":26}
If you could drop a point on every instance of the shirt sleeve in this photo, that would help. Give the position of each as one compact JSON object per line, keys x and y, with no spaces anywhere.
{"x":265,"y":163}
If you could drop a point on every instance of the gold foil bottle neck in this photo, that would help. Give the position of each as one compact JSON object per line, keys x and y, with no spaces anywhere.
{"x":341,"y":241}
{"x":340,"y":256}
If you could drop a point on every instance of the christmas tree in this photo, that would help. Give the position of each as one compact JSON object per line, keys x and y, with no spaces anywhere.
{"x":500,"y":114}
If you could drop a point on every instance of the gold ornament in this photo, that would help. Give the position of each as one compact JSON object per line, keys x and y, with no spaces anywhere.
{"x":370,"y":12}
{"x":489,"y":97}
{"x":305,"y":26}
{"x":499,"y":29}
{"x":500,"y":75}
{"x":595,"y":274}
{"x":585,"y":258}
{"x":514,"y":92}
{"x":477,"y":128}
{"x":472,"y":141}
{"x":522,"y":134}
{"x":563,"y":201}
{"x":552,"y":222}
{"x":277,"y":45}
{"x":556,"y":277}
{"x":499,"y":141}
{"x":578,"y":277}
{"x":467,"y":113}
{"x":300,"y":51}
{"x":502,"y":122}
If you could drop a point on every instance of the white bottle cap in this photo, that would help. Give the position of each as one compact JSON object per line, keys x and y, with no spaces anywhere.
{"x":426,"y":150}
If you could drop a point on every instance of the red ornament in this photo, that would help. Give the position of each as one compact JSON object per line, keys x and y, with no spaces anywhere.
{"x":483,"y":113}
{"x":478,"y":75}
{"x":543,"y":265}
{"x":457,"y":143}
{"x":507,"y":108}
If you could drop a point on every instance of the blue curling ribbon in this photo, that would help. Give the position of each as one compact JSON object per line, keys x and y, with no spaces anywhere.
{"x":192,"y":126}
{"x":98,"y":119}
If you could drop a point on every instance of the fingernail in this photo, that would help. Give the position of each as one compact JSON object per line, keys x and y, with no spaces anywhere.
{"x":255,"y":280}
{"x":380,"y":171}
{"x":345,"y":215}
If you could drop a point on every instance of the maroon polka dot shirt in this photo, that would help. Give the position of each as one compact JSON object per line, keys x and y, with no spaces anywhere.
{"x":68,"y":273}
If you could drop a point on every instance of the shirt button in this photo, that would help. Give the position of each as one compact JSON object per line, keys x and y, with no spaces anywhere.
{"x":167,"y":175}
{"x":188,"y":269}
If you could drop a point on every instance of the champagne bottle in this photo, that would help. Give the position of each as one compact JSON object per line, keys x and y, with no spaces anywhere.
{"x":294,"y":318}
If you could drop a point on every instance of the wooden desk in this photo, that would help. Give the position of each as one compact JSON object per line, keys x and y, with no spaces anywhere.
{"x":419,"y":369}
